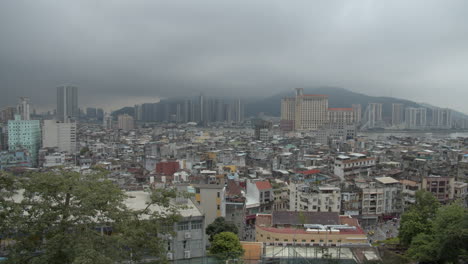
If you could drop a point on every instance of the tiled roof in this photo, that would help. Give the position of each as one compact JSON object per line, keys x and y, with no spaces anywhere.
{"x":263,"y":185}
{"x":309,"y":172}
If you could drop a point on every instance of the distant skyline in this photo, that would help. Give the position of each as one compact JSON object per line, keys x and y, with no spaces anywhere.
{"x":120,"y":53}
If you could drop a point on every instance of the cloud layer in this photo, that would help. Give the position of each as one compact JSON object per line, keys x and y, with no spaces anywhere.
{"x":123,"y":51}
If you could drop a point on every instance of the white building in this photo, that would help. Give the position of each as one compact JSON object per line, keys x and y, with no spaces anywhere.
{"x":415,"y":118}
{"x":125,"y":122}
{"x":393,"y":198}
{"x":353,"y":165}
{"x":309,"y":198}
{"x":60,"y":135}
{"x":23,"y":108}
{"x":55,"y":159}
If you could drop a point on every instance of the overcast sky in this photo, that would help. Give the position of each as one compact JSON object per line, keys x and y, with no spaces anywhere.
{"x":123,"y":52}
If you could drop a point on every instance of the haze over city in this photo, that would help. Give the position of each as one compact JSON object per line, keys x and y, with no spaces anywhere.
{"x":126,"y":52}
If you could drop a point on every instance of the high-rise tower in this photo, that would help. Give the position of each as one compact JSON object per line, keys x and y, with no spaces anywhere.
{"x":67,"y":103}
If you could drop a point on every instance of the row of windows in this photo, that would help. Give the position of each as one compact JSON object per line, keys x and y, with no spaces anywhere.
{"x":183,"y":226}
{"x":304,"y":240}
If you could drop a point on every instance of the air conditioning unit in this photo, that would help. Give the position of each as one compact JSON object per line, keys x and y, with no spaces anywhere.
{"x":188,"y":235}
{"x":170,"y":256}
{"x":187,"y":254}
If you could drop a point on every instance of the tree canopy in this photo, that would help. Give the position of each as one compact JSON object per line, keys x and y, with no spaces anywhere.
{"x":226,"y":245}
{"x":67,"y":217}
{"x":433,"y":233}
{"x":418,"y":218}
{"x":220,"y":225}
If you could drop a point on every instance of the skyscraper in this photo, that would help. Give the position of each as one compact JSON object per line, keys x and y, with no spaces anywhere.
{"x":415,"y":118}
{"x":23,"y":108}
{"x":397,"y":114}
{"x":373,"y":115}
{"x":442,"y":118}
{"x":67,"y":103}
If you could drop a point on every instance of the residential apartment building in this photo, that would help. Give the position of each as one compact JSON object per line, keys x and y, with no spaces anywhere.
{"x":441,"y":118}
{"x":397,"y":114}
{"x":441,"y":187}
{"x":210,"y":198}
{"x":62,"y":136}
{"x":415,"y":118}
{"x":189,"y":239}
{"x":353,"y":165}
{"x":311,"y":198}
{"x":393,"y":198}
{"x":125,"y":122}
{"x":25,"y":134}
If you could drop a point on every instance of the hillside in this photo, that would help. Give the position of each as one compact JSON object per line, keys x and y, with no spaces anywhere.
{"x":337,"y":97}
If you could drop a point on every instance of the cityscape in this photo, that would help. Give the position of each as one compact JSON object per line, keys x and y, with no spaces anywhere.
{"x":233,"y":132}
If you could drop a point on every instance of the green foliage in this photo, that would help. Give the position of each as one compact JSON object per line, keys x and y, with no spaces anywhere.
{"x":451,"y":233}
{"x":418,"y":219}
{"x":226,"y":245}
{"x":60,"y":215}
{"x":84,"y":150}
{"x":220,"y":225}
{"x":435,"y":234}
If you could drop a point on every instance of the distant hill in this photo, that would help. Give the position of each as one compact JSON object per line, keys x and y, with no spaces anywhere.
{"x":124,"y":110}
{"x":337,"y":97}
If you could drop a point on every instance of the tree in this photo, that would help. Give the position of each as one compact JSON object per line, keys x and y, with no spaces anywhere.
{"x":446,"y":241}
{"x":220,"y":225}
{"x":418,"y":218}
{"x":451,"y":233}
{"x":226,"y":245}
{"x":67,"y":217}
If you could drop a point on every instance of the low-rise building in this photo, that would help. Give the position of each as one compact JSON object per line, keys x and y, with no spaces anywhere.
{"x":312,"y":198}
{"x":309,"y":229}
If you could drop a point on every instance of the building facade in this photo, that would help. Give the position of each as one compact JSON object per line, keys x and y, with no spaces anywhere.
{"x":67,"y":103}
{"x":25,"y":134}
{"x":60,"y":135}
{"x":125,"y":122}
{"x":309,"y":112}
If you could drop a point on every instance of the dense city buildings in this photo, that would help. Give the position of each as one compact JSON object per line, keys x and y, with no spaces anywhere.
{"x":316,"y":179}
{"x":67,"y":103}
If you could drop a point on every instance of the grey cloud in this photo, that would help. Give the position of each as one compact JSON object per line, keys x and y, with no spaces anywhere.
{"x":128,"y":50}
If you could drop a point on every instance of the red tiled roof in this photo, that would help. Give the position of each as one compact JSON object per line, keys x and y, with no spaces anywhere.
{"x":309,"y":172}
{"x":263,"y":185}
{"x":340,"y":109}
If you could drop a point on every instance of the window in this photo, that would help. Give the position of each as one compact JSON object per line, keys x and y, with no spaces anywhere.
{"x":218,"y":194}
{"x":182,"y":226}
{"x":218,"y":207}
{"x":196,"y":224}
